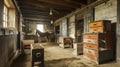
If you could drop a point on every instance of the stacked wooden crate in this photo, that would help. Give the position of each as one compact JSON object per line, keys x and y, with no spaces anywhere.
{"x":98,"y":44}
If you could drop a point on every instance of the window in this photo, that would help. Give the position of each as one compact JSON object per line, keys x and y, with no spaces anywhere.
{"x":11,"y":19}
{"x":40,"y":27}
{"x":9,"y":15}
{"x":5,"y":16}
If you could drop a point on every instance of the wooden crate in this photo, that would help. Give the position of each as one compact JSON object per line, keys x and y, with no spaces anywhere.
{"x":91,"y":54}
{"x":91,"y":46}
{"x":96,"y":24}
{"x":97,"y":29}
{"x":37,"y":53}
{"x":97,"y":45}
{"x":90,"y":38}
{"x":100,"y":39}
{"x":100,"y":26}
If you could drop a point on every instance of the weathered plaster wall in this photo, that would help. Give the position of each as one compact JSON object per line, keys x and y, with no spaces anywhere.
{"x":106,"y":11}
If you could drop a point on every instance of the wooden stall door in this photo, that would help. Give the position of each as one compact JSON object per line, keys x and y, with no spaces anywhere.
{"x":79,"y":25}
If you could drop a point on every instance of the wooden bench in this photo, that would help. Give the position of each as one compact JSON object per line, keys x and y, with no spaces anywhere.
{"x":37,"y":54}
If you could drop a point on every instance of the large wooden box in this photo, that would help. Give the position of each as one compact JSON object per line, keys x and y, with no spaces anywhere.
{"x":100,"y":39}
{"x":98,"y":47}
{"x":100,"y":26}
{"x":37,"y":53}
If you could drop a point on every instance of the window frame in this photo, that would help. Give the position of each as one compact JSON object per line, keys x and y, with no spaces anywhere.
{"x":5,"y":16}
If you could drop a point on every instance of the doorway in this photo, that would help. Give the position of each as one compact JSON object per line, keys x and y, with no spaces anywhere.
{"x":79,"y":28}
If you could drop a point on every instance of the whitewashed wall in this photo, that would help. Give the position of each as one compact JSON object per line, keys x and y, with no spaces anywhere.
{"x":71,"y":26}
{"x":106,"y":11}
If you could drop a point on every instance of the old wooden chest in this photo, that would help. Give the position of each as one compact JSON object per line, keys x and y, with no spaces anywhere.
{"x":37,"y":54}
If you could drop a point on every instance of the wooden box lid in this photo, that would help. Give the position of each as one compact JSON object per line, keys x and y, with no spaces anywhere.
{"x":36,"y":46}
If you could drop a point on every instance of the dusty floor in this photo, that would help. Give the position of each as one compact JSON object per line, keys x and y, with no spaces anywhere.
{"x":59,"y":57}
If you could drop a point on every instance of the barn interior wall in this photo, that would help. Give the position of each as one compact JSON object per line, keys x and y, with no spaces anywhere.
{"x":31,"y":26}
{"x":71,"y":26}
{"x":107,"y":11}
{"x":8,"y":41}
{"x":63,"y":27}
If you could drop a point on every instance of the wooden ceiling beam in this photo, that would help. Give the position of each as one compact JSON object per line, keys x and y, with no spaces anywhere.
{"x":36,"y":19}
{"x":42,"y":16}
{"x":60,"y":2}
{"x":84,"y":2}
{"x":49,"y":5}
{"x":32,"y":8}
{"x":74,"y":2}
{"x":52,"y":2}
{"x":36,"y":16}
{"x":90,"y":1}
{"x":35,"y":13}
{"x":35,"y":6}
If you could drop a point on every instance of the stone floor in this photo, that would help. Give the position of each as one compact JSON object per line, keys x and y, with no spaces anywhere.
{"x":59,"y":57}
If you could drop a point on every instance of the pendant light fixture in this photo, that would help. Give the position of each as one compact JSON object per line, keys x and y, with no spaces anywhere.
{"x":51,"y":13}
{"x":51,"y":21}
